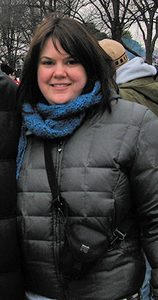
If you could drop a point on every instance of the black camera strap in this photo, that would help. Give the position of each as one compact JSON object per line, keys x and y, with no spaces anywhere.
{"x":59,"y":203}
{"x":51,"y":174}
{"x":119,"y":233}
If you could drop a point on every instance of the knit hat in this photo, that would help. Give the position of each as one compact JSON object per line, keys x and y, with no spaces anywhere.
{"x":115,"y":50}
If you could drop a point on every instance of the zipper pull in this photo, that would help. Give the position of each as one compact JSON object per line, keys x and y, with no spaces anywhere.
{"x":60,"y":147}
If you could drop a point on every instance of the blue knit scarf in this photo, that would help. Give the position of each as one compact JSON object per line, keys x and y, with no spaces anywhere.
{"x":54,"y":121}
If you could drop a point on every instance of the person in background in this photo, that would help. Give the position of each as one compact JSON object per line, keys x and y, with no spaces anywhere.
{"x":105,"y":155}
{"x":10,"y":72}
{"x":135,"y":78}
{"x":8,"y":90}
{"x":136,"y":81}
{"x":11,"y":283}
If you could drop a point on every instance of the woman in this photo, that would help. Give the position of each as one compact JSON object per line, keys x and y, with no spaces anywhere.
{"x":105,"y":154}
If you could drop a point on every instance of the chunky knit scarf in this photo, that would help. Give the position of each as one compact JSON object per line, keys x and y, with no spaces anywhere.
{"x":54,"y":121}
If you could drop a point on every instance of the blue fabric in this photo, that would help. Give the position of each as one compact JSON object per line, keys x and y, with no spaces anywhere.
{"x":145,"y":291}
{"x":53,"y":121}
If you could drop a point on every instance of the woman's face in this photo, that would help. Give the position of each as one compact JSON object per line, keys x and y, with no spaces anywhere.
{"x":60,"y":78}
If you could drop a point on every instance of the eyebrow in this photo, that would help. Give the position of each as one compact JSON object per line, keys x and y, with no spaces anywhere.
{"x":47,"y":57}
{"x":51,"y":58}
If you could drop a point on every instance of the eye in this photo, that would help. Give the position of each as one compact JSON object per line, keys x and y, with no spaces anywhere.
{"x":72,"y":61}
{"x":47,"y":63}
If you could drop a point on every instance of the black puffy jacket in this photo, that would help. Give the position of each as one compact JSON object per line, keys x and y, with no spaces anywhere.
{"x":108,"y":167}
{"x":11,"y":286}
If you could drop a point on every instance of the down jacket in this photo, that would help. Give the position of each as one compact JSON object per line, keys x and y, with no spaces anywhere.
{"x":106,"y":168}
{"x":11,"y":287}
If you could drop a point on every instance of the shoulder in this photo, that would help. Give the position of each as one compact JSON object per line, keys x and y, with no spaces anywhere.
{"x":127,"y":112}
{"x":120,"y":104}
{"x":142,"y":81}
{"x":8,"y":89}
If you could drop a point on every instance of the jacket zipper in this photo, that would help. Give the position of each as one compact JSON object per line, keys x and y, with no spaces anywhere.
{"x":58,"y":173}
{"x":59,"y":158}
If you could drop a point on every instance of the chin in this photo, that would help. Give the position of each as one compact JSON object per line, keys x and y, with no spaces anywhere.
{"x":60,"y":102}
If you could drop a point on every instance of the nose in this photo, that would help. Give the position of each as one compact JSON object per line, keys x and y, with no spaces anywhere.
{"x":59,"y":71}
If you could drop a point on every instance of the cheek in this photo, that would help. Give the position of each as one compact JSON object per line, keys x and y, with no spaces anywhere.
{"x":42,"y":75}
{"x":42,"y":80}
{"x":81,"y":78}
{"x":83,"y":81}
{"x":39,"y":76}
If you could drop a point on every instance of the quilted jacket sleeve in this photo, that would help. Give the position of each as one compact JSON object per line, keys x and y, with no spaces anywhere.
{"x":11,"y":283}
{"x":144,"y":183}
{"x":8,"y":89}
{"x":11,"y":278}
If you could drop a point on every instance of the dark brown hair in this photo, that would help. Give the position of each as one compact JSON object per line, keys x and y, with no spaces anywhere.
{"x":76,"y":40}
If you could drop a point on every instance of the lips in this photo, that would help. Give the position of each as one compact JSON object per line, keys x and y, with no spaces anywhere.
{"x":60,"y":85}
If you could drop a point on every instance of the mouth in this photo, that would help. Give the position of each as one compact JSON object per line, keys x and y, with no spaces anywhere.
{"x":60,"y":85}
